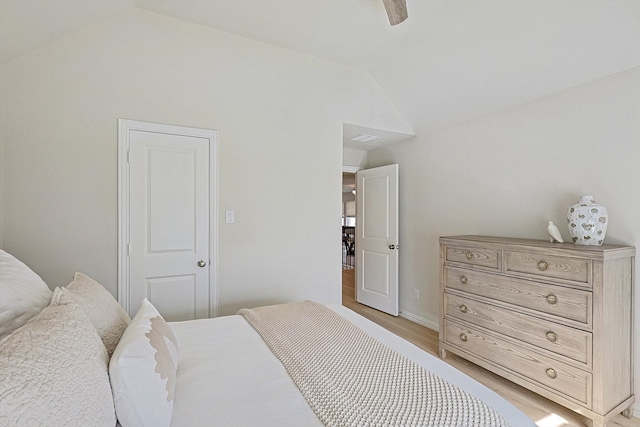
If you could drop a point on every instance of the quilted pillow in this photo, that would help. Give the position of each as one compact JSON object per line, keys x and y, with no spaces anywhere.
{"x":54,"y":371}
{"x":23,"y":294}
{"x":106,"y":314}
{"x":143,"y":370}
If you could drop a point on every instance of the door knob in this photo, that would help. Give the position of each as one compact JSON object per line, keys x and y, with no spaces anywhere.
{"x":551,"y":373}
{"x":392,"y":246}
{"x":543,"y":265}
{"x":202,"y":263}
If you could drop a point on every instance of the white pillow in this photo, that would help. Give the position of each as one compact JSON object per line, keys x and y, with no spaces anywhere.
{"x":23,"y":294}
{"x":54,"y":371}
{"x":143,"y":370}
{"x":105,"y":312}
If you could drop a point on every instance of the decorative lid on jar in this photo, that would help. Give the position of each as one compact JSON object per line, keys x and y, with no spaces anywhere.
{"x":587,"y":222}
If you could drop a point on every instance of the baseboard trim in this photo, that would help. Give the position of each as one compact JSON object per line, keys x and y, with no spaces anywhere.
{"x":427,"y":323}
{"x":636,"y":410}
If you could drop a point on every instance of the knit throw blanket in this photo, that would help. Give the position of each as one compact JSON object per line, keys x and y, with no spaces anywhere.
{"x":351,"y":379}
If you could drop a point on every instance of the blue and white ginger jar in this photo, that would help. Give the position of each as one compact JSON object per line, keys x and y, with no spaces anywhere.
{"x":588,"y":222}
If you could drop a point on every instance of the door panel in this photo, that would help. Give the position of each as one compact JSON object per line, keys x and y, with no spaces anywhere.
{"x":377,"y":238}
{"x":169,"y":223}
{"x":174,"y":296}
{"x":375,"y":213}
{"x":171,"y":210}
{"x":375,"y":269}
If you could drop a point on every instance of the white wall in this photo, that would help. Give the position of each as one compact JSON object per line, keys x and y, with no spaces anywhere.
{"x":508,"y":173}
{"x":279,"y":115}
{"x":354,"y":158}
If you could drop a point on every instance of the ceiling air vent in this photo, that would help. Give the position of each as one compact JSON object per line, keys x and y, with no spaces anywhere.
{"x":363,"y":137}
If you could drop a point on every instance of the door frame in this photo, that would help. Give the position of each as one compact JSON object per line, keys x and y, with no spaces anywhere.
{"x":351,"y":169}
{"x":125,"y":127}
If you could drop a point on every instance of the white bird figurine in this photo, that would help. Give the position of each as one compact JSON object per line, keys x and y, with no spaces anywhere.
{"x":554,"y":233}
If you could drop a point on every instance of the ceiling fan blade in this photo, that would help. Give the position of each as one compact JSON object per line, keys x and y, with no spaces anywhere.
{"x":396,"y":10}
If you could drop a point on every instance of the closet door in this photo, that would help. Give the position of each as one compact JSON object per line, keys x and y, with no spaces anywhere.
{"x":169,"y":222}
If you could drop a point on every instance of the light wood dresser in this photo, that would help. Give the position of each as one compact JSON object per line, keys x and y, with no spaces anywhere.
{"x":555,"y":318}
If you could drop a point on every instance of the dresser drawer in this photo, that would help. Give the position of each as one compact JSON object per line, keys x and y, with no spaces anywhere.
{"x":562,"y":340}
{"x":543,"y":371}
{"x":572,"y":304}
{"x":479,"y":257}
{"x":548,"y":267}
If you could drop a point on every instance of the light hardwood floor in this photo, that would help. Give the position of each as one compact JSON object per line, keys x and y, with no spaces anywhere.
{"x":544,"y":412}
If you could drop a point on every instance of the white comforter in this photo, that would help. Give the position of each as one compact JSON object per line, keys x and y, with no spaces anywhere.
{"x":227,"y":376}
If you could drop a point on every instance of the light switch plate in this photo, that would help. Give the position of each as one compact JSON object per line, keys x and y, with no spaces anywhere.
{"x":230,"y":217}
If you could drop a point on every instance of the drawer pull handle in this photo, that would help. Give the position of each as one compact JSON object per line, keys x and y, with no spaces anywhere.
{"x":464,"y":280}
{"x":551,"y":336}
{"x":552,"y":299}
{"x":551,"y":373}
{"x":463,"y":337}
{"x":543,"y":265}
{"x":463,"y":308}
{"x":469,"y":256}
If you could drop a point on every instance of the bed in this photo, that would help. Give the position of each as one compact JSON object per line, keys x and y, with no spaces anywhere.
{"x":73,"y":357}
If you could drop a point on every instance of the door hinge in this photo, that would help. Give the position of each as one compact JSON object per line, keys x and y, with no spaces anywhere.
{"x":128,"y":249}
{"x":128,"y":156}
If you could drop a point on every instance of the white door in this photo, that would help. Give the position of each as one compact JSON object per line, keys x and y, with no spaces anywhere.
{"x":169,"y":220}
{"x":377,"y":238}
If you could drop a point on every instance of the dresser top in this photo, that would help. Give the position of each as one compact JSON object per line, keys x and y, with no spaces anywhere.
{"x":603,"y":251}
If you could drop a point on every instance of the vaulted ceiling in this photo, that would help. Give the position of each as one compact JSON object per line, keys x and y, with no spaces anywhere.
{"x":452,"y":60}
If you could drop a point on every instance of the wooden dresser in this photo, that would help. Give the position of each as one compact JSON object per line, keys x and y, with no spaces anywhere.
{"x":555,"y":318}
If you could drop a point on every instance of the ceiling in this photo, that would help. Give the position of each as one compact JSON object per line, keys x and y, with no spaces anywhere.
{"x":451,"y":61}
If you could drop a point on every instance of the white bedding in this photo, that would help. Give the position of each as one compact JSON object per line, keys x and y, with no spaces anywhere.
{"x":232,"y":380}
{"x":235,"y":380}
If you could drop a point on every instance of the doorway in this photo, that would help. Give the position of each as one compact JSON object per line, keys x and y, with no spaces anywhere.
{"x":348,"y":220}
{"x":373,"y":279}
{"x":348,"y":238}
